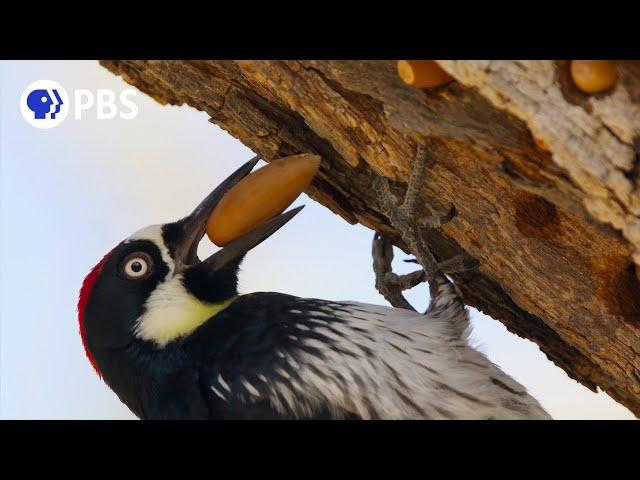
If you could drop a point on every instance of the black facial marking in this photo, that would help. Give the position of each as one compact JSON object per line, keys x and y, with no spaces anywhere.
{"x":117,"y":300}
{"x":210,"y":286}
{"x":172,"y":234}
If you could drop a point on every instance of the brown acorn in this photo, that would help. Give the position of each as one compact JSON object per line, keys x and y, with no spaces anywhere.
{"x":422,"y":73}
{"x":593,"y":76}
{"x":260,"y":196}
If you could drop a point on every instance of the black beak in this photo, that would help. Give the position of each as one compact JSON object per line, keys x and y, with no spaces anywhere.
{"x":190,"y":230}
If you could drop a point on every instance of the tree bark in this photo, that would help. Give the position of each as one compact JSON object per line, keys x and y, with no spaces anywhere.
{"x":545,"y":180}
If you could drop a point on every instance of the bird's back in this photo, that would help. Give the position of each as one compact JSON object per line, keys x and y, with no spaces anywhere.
{"x":307,"y":358}
{"x":427,"y":369}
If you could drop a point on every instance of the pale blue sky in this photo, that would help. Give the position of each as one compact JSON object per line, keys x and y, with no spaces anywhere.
{"x":71,"y":193}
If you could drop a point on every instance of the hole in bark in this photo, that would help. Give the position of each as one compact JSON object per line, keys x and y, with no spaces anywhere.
{"x":570,"y":92}
{"x":535,"y":216}
{"x":619,"y":287}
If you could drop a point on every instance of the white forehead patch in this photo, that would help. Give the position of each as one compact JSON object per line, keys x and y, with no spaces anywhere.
{"x":171,"y":311}
{"x":153,"y":233}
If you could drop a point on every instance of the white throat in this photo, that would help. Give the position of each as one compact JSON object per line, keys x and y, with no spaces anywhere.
{"x":172,"y":312}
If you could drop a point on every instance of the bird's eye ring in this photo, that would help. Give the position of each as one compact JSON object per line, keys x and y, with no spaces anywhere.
{"x":137,"y":265}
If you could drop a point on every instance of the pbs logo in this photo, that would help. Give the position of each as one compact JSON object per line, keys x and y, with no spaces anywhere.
{"x":44,"y":104}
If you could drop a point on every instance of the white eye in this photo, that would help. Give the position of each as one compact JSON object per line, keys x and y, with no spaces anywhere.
{"x":137,"y":265}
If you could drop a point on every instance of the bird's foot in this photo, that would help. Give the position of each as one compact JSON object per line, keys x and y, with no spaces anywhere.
{"x":389,"y":284}
{"x":403,"y":216}
{"x":406,"y":221}
{"x":457,"y":264}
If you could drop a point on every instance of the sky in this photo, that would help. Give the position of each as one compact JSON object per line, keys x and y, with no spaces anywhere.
{"x":71,"y":193}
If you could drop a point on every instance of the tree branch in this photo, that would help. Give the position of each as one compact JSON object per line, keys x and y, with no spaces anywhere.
{"x":544,"y":180}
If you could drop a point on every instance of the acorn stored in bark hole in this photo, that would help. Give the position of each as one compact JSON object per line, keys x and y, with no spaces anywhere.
{"x":593,"y":76}
{"x":422,"y":73}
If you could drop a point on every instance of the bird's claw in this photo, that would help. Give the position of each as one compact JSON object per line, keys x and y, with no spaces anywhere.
{"x":458,"y":264}
{"x":389,"y":284}
{"x":403,"y":216}
{"x":435,"y":221}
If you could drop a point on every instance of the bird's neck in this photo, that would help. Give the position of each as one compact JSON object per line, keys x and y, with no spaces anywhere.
{"x":172,"y":312}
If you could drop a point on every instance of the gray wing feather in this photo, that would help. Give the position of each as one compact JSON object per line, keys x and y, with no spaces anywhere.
{"x":387,"y":363}
{"x":395,"y":363}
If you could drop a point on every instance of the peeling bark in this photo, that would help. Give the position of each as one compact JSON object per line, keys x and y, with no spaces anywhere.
{"x":544,"y":179}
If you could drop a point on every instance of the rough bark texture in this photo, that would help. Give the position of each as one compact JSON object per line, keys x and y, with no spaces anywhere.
{"x":544,"y":179}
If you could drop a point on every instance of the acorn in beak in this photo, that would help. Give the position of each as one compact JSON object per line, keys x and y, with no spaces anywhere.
{"x":244,"y":210}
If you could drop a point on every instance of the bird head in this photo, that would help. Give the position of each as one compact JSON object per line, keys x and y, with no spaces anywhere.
{"x":152,"y":286}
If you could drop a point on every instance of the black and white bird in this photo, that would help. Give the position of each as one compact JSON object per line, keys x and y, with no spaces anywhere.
{"x":173,"y":338}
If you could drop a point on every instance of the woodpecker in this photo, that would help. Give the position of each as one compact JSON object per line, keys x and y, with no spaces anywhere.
{"x":172,"y":337}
